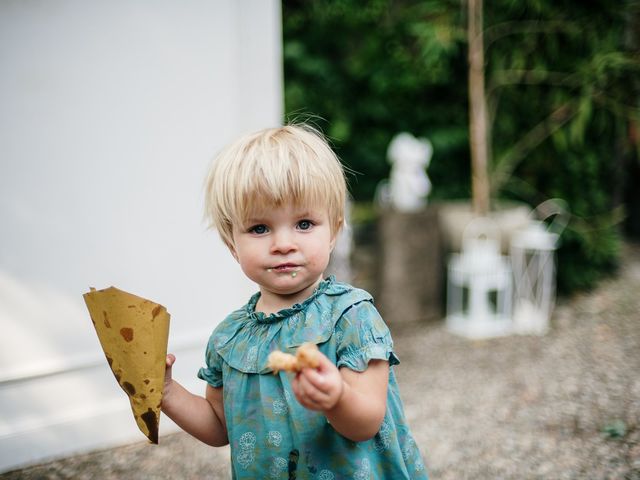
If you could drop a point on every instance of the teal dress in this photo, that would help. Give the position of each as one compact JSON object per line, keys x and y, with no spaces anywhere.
{"x":271,"y":435}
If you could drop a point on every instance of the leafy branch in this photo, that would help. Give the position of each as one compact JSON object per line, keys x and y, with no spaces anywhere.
{"x":507,"y":163}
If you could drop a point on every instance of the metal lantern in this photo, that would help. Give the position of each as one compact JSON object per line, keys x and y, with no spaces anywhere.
{"x":532,"y":252}
{"x":479,"y":284}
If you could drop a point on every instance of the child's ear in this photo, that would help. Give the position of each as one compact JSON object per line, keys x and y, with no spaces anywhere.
{"x":334,"y":236}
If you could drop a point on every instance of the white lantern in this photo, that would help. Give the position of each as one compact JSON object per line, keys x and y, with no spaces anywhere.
{"x":479,"y":284}
{"x":532,"y":254}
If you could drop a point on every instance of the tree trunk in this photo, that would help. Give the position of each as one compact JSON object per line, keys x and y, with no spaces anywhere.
{"x":477,"y":111}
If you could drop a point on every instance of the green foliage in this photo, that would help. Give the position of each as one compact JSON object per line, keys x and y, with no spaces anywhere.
{"x":615,"y":429}
{"x":372,"y":69}
{"x":563,"y":92}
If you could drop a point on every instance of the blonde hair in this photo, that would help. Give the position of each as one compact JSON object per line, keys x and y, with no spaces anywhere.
{"x":269,"y":168}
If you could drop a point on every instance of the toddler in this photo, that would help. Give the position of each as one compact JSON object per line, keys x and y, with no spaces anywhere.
{"x":277,"y":199}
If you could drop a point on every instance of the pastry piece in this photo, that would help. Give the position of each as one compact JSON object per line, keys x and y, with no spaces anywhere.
{"x":278,"y":361}
{"x":306,"y":356}
{"x":133,"y":333}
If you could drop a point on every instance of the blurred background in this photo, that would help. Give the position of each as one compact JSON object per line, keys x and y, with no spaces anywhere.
{"x":111,"y":113}
{"x":562,"y":86}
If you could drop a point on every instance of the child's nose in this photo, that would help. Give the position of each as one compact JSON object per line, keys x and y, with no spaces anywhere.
{"x":283,"y":242}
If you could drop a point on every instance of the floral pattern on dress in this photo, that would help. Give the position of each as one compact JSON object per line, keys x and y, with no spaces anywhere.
{"x":247,"y":444}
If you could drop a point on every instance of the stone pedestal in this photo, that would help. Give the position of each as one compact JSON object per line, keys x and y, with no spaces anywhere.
{"x":510,"y":217}
{"x":410,"y":269}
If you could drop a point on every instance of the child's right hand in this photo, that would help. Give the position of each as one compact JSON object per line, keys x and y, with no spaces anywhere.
{"x":320,"y":388}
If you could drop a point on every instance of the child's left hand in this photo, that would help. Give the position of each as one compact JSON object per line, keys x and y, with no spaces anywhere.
{"x":319,"y":388}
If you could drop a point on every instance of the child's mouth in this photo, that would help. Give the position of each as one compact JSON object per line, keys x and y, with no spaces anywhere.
{"x":287,"y":267}
{"x":284,"y":268}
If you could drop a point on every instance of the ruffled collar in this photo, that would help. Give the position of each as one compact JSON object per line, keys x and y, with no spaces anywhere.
{"x":260,"y":317}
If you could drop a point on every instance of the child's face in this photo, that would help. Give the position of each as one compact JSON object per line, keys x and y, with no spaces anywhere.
{"x":284,"y":249}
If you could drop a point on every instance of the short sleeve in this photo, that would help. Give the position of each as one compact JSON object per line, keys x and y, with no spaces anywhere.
{"x":212,"y":373}
{"x":363,"y":336}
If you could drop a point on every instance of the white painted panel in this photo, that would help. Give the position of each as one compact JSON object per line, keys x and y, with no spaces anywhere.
{"x":75,"y":411}
{"x":111,"y":113}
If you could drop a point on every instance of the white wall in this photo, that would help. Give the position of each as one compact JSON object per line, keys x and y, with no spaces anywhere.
{"x":110,"y":114}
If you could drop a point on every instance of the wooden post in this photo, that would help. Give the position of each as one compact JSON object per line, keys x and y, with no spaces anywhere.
{"x":477,"y":111}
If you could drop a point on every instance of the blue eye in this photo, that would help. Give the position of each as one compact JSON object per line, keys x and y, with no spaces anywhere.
{"x":258,"y":229}
{"x":305,"y":224}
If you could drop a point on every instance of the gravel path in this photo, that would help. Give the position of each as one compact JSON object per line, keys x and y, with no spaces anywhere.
{"x":562,"y":406}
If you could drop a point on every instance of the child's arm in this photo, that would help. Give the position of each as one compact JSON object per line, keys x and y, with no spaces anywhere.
{"x":353,"y":402}
{"x":201,"y":417}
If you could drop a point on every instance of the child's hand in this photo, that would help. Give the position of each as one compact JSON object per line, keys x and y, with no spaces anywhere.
{"x":168,"y":379}
{"x":319,"y":388}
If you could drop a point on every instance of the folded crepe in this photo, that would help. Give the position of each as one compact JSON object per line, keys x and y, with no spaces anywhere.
{"x":133,"y":332}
